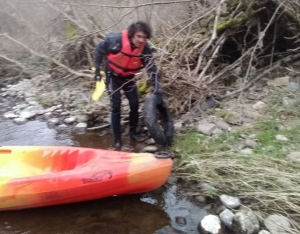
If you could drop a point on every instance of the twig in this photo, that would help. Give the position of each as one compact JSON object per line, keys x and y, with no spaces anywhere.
{"x":12,"y":61}
{"x":98,"y":127}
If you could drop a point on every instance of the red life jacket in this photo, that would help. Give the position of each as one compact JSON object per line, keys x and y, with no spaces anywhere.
{"x":127,"y":62}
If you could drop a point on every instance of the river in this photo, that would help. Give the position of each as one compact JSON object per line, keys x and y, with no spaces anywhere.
{"x":131,"y":214}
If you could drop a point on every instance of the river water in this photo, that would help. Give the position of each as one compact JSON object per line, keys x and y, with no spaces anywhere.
{"x":132,"y":214}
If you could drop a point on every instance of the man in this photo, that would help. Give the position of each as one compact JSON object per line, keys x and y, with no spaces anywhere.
{"x":126,"y":53}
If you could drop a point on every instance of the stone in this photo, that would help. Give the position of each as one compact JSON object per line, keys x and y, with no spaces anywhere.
{"x":81,"y":126}
{"x":251,"y":143}
{"x":210,"y":224}
{"x":222,"y":125}
{"x":217,"y":132}
{"x":281,"y":81}
{"x":20,"y":121}
{"x":259,"y":105}
{"x":288,"y":102}
{"x":63,"y":113}
{"x":237,"y":71}
{"x":82,"y":118}
{"x":172,"y":180}
{"x":281,"y":138}
{"x":3,"y":89}
{"x":151,"y":141}
{"x":233,"y":118}
{"x":70,"y":120}
{"x":294,"y":156}
{"x":150,"y":149}
{"x":169,"y":230}
{"x":28,"y":114}
{"x":201,"y":199}
{"x":206,"y":187}
{"x":245,"y":222}
{"x":178,"y":126}
{"x":180,"y":220}
{"x":293,"y":86}
{"x":206,"y":128}
{"x":277,"y":224}
{"x":230,"y":202}
{"x":247,"y":151}
{"x":252,"y":136}
{"x":62,"y":127}
{"x":47,"y":115}
{"x":226,"y":217}
{"x":252,"y":114}
{"x":10,"y":115}
{"x":53,"y":121}
{"x":264,"y":232}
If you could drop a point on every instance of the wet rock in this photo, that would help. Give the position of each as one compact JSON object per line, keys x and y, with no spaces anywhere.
{"x":277,"y":224}
{"x":70,"y":120}
{"x":169,"y":230}
{"x":247,"y":151}
{"x":220,"y":209}
{"x":64,"y":113}
{"x":226,"y":218}
{"x":264,"y":232}
{"x":150,"y":149}
{"x":10,"y":115}
{"x":281,"y":138}
{"x":178,"y":126}
{"x":206,"y":128}
{"x":222,"y":125}
{"x":294,"y":156}
{"x":245,"y":222}
{"x":53,"y":121}
{"x":230,"y":202}
{"x":200,"y":199}
{"x":20,"y":121}
{"x":251,"y":143}
{"x":259,"y":105}
{"x":210,"y":224}
{"x":81,"y":127}
{"x":62,"y":127}
{"x":47,"y":115}
{"x":30,"y":112}
{"x":181,"y":221}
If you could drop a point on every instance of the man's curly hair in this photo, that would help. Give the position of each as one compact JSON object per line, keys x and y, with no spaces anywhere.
{"x":140,"y":26}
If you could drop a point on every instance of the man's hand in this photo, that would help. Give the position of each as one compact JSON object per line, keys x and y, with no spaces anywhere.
{"x":97,"y":76}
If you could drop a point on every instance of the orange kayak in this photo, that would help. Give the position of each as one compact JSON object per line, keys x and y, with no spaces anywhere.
{"x":35,"y":176}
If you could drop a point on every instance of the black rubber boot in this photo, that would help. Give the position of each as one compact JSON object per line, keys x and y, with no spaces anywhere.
{"x":117,"y":145}
{"x":136,"y":137}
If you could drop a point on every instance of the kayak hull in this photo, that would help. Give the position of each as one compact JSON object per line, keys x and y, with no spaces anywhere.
{"x":37,"y":176}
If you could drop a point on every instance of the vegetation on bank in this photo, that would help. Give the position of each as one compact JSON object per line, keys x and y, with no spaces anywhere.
{"x":265,"y":179}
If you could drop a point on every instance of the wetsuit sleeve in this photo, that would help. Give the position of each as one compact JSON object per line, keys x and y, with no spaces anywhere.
{"x":101,"y":51}
{"x":151,"y":68}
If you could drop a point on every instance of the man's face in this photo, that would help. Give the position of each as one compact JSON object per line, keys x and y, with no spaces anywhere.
{"x":139,"y":38}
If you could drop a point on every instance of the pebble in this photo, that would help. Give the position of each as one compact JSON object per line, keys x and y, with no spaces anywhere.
{"x":230,"y":202}
{"x":226,"y":217}
{"x":281,"y":138}
{"x":210,"y":224}
{"x":70,"y":120}
{"x":247,"y":151}
{"x":277,"y":224}
{"x":150,"y":149}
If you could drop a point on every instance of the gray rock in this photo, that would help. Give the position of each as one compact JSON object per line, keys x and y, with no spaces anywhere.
{"x":281,"y":138}
{"x":293,"y":86}
{"x":64,"y":113}
{"x":222,"y":125}
{"x":62,"y":127}
{"x":294,"y":156}
{"x":217,"y":132}
{"x":81,"y":126}
{"x":288,"y":102}
{"x":21,"y":106}
{"x":245,"y":222}
{"x":169,"y":230}
{"x":264,"y":232}
{"x":237,"y":71}
{"x":206,"y":187}
{"x":70,"y":120}
{"x":230,"y":202}
{"x":53,"y":121}
{"x":210,"y":224}
{"x":151,"y":141}
{"x":247,"y":151}
{"x":251,"y":143}
{"x":47,"y":115}
{"x":150,"y":149}
{"x":3,"y":89}
{"x":226,"y":218}
{"x":206,"y":128}
{"x":82,"y":118}
{"x":252,"y":114}
{"x":20,"y":121}
{"x":201,"y":199}
{"x":178,"y":126}
{"x":180,"y":220}
{"x":252,"y":136}
{"x":259,"y":105}
{"x":10,"y":115}
{"x":277,"y":224}
{"x":28,"y":114}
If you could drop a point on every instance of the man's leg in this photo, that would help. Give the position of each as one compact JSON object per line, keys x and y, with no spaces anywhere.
{"x":131,"y":93}
{"x":113,"y":85}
